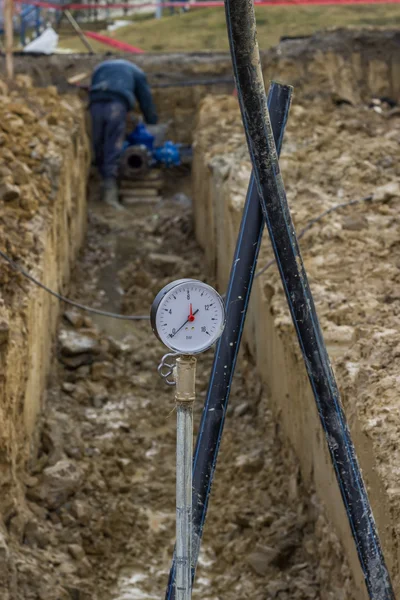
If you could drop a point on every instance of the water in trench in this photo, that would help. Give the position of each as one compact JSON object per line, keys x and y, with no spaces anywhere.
{"x":105,"y":520}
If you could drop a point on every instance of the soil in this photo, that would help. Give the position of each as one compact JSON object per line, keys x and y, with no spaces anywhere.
{"x":333,"y":153}
{"x":32,"y":139}
{"x":43,"y":149}
{"x":98,"y":518}
{"x":100,"y":514}
{"x":352,"y":259}
{"x":353,"y":63}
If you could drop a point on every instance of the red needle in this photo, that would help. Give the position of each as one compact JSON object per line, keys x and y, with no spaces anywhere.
{"x":191,"y":315}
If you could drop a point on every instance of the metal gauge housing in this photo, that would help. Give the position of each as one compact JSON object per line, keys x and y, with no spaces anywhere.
{"x":188,"y":316}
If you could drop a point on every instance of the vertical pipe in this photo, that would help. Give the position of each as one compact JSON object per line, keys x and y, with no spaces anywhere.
{"x":159,"y":9}
{"x":241,"y":24}
{"x":185,"y":373}
{"x":59,"y":16}
{"x":237,"y":298}
{"x":9,"y":37}
{"x":37,"y":21}
{"x":184,"y":460}
{"x":22,"y":29}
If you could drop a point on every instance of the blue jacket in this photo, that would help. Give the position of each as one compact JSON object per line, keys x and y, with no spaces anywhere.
{"x":122,"y":80}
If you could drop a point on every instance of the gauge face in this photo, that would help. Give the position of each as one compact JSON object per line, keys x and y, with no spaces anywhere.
{"x":188,"y":316}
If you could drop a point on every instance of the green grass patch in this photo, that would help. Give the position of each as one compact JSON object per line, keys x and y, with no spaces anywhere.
{"x":204,"y":28}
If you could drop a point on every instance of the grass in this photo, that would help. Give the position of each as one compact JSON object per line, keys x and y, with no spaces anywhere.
{"x":204,"y":29}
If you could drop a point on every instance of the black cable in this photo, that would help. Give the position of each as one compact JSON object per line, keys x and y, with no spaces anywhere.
{"x":97,"y":311}
{"x":67,"y":300}
{"x":193,"y":82}
{"x":172,"y":84}
{"x":241,"y":23}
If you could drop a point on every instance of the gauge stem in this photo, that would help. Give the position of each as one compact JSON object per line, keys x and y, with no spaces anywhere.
{"x":185,"y":376}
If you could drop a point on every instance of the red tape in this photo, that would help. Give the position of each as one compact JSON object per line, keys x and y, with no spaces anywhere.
{"x":204,"y":4}
{"x":104,"y":39}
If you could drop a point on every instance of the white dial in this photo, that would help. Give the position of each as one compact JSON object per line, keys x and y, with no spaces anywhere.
{"x":188,"y":316}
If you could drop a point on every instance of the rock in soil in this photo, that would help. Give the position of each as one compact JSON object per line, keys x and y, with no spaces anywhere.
{"x":74,"y":343}
{"x":57,"y":484}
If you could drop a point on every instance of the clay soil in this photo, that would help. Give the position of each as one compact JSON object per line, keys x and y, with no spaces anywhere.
{"x":99,"y":518}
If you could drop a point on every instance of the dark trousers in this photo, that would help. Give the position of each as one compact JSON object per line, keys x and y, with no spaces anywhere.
{"x":108,"y":135}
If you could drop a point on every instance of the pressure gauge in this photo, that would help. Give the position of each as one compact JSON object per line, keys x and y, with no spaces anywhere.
{"x":188,"y":316}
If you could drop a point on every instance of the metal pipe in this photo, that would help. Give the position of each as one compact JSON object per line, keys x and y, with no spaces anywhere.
{"x":37,"y":21}
{"x":22,"y":37}
{"x":241,"y":24}
{"x":135,"y":161}
{"x":237,"y":298}
{"x":23,"y":17}
{"x":185,"y":375}
{"x":9,"y":37}
{"x":159,"y":9}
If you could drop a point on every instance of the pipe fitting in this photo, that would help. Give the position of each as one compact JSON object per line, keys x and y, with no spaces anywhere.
{"x":135,"y":161}
{"x":185,"y":377}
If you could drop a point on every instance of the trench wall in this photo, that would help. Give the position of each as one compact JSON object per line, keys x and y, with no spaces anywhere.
{"x":328,"y":68}
{"x":44,"y":162}
{"x":340,"y":271}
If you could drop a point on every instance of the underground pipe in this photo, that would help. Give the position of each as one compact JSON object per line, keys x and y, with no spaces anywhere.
{"x":135,"y":162}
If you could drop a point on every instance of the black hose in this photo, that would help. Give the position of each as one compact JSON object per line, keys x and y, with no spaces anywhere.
{"x":237,"y":297}
{"x":174,"y":84}
{"x":193,"y":82}
{"x":241,"y":25}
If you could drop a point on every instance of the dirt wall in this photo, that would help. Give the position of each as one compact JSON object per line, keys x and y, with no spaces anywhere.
{"x":330,"y":155}
{"x":44,"y":160}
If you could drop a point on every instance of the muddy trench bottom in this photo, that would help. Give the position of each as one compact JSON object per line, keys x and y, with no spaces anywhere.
{"x":99,"y":520}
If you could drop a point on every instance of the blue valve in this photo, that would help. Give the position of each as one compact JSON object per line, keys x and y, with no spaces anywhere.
{"x":140,"y":136}
{"x":168,"y":155}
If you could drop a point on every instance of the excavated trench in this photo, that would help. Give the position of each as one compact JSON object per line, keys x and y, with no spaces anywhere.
{"x":87,"y":471}
{"x":103,"y":486}
{"x":94,"y":514}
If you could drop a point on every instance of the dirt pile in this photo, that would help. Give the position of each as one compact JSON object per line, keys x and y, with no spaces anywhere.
{"x":331,"y":154}
{"x":33,"y":138}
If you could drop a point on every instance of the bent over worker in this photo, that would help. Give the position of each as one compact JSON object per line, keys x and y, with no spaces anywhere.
{"x":115,"y":86}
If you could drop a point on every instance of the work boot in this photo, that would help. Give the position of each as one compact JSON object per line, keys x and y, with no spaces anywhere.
{"x":110,"y":194}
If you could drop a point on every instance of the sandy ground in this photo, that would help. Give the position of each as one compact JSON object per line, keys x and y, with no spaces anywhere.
{"x":101,"y":492}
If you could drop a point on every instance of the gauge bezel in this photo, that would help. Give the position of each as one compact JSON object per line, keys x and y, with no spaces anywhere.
{"x":156,"y":304}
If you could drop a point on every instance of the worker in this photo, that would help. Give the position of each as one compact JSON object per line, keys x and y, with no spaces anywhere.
{"x":115,"y":86}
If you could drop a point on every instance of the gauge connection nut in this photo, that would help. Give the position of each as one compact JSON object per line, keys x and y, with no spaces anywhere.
{"x":185,"y":377}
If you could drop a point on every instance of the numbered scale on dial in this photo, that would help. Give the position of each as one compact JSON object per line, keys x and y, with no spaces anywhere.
{"x":188,"y":316}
